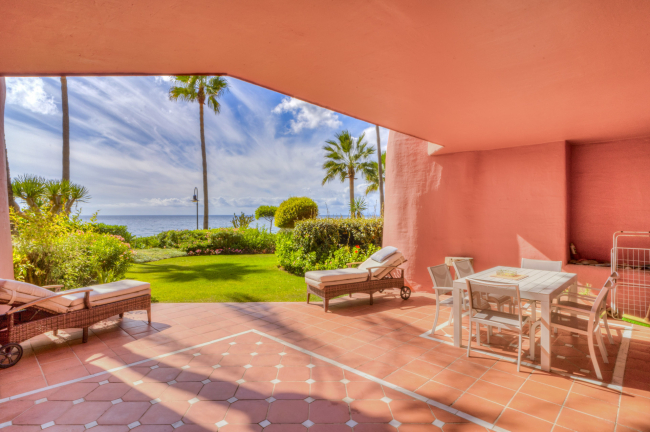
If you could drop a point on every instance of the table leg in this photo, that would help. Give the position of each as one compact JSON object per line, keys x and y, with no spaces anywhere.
{"x":458,"y":317}
{"x":546,"y":336}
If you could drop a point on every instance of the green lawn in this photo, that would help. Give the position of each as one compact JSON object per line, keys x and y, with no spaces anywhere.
{"x":219,"y":278}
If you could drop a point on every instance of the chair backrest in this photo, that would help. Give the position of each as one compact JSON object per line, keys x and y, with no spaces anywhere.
{"x":441,"y":277}
{"x":497,"y":289}
{"x":534,"y":264}
{"x":463,"y":268}
{"x":601,"y":300}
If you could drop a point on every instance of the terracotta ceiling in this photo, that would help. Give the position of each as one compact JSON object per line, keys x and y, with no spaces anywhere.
{"x":467,"y":75}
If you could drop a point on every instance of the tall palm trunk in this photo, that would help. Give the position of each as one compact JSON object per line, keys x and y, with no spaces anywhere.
{"x":66,"y":128}
{"x":205,"y":173}
{"x":351,"y":176}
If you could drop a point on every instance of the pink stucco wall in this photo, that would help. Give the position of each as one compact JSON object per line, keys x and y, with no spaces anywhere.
{"x":6,"y":261}
{"x":610,"y":191}
{"x":496,"y":206}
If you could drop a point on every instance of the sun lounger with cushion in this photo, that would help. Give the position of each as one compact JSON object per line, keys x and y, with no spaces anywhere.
{"x":36,"y":310}
{"x":379,"y":272}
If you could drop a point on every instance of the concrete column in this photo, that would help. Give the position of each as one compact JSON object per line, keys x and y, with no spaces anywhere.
{"x":6,"y":260}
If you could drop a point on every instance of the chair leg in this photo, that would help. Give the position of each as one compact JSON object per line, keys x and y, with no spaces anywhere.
{"x":609,"y":334}
{"x":435,"y":320}
{"x":469,"y":339}
{"x":489,"y":332}
{"x":451,"y":316}
{"x":122,"y":315}
{"x":326,"y":303}
{"x":592,"y":353}
{"x":531,"y":336}
{"x":56,"y":332}
{"x":370,"y":298}
{"x":601,"y":346}
{"x":85,"y":335}
{"x":308,"y":295}
{"x":350,"y":295}
{"x":519,"y":352}
{"x":149,"y":314}
{"x":478,"y":335}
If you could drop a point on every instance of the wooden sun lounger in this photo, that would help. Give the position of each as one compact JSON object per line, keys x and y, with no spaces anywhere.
{"x":25,"y":321}
{"x":392,"y":279}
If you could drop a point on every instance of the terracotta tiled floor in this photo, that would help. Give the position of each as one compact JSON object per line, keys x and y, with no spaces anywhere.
{"x":357,"y":368}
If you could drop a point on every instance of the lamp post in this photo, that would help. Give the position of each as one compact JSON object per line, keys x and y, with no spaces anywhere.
{"x":195,"y":199}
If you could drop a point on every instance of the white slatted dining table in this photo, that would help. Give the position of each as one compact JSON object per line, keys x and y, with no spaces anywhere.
{"x":540,"y":285}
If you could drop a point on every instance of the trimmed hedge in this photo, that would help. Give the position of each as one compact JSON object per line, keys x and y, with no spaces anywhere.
{"x":212,"y":241}
{"x":293,"y":210}
{"x":325,"y":244}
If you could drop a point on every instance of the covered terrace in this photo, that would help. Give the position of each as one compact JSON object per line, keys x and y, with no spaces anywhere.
{"x":517,"y":129}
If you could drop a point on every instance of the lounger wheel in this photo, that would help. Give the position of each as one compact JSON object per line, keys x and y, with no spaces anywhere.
{"x":405,"y":292}
{"x":10,"y":354}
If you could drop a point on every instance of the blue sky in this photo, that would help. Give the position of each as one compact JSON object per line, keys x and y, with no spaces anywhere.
{"x":139,"y":153}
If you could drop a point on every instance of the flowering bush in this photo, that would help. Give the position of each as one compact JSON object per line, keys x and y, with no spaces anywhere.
{"x":51,"y":249}
{"x":328,"y":243}
{"x":295,"y":260}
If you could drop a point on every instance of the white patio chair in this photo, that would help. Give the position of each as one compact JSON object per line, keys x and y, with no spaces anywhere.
{"x":464,"y":268}
{"x":589,"y":327}
{"x":588,"y":302}
{"x":489,"y":317}
{"x":443,"y":284}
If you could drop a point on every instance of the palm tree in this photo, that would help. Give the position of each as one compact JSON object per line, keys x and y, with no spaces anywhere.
{"x":373,"y":179}
{"x":346,"y":157}
{"x":66,"y":129}
{"x":199,"y":88}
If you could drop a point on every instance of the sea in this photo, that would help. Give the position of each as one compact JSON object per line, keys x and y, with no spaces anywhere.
{"x":143,"y":226}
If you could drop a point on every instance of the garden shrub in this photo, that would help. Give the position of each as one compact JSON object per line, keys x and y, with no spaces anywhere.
{"x":293,"y":210}
{"x":325,"y":244}
{"x":146,"y":242}
{"x":119,"y":230}
{"x":54,"y":249}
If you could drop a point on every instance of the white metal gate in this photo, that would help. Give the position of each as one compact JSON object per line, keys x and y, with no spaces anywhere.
{"x":632,"y":295}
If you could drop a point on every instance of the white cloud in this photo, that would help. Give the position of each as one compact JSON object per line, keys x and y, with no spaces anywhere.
{"x":29,"y":93}
{"x":163,"y":78}
{"x":307,"y":116}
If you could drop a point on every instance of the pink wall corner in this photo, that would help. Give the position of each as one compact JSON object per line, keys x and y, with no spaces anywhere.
{"x":610,"y":191}
{"x":496,"y":206}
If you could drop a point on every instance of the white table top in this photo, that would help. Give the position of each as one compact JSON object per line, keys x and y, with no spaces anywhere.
{"x":539,"y":285}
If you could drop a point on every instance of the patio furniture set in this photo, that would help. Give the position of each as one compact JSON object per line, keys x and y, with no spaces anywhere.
{"x":501,"y":297}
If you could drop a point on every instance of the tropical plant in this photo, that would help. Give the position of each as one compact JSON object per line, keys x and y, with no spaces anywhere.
{"x":266,"y":212}
{"x":201,"y":89}
{"x":295,"y":209}
{"x":242,"y":221}
{"x":358,"y":207}
{"x":66,"y":129}
{"x":345,"y":157}
{"x":373,"y":178}
{"x":39,"y":194}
